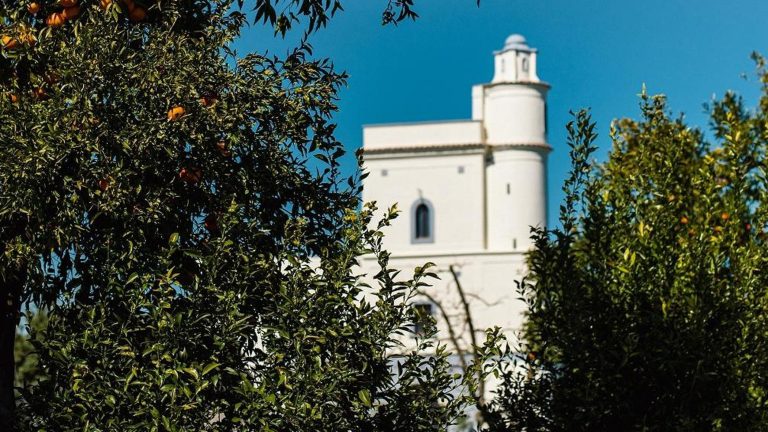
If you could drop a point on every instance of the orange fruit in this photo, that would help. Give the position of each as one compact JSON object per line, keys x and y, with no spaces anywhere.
{"x":68,"y":3}
{"x":105,"y":3}
{"x":137,"y":14}
{"x":724,"y":216}
{"x":207,"y":101}
{"x":39,"y":93}
{"x":9,"y":42}
{"x":191,"y":175}
{"x":71,"y":12}
{"x":33,"y":8}
{"x":684,"y":220}
{"x":221,"y":146}
{"x":176,"y":113}
{"x":51,"y":78}
{"x":13,"y":98}
{"x":211,"y":223}
{"x":55,"y":20}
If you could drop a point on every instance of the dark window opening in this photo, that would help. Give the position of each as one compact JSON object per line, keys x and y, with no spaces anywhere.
{"x":423,"y":230}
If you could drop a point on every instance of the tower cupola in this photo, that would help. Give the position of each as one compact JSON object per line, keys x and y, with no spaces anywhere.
{"x":516,"y":62}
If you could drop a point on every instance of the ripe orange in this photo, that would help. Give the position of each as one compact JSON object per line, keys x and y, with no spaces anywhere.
{"x":176,"y":113}
{"x":684,"y":220}
{"x":13,"y":98}
{"x":191,"y":175}
{"x":71,"y":12}
{"x":55,"y":20}
{"x":39,"y":93}
{"x":105,"y":3}
{"x":221,"y":146}
{"x":9,"y":42}
{"x":33,"y":8}
{"x":51,"y":78}
{"x":137,"y":14}
{"x":211,"y":223}
{"x":207,"y":100}
{"x":68,"y":3}
{"x":724,"y":216}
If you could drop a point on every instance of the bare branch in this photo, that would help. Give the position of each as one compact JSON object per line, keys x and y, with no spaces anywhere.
{"x":451,"y":332}
{"x":470,"y":323}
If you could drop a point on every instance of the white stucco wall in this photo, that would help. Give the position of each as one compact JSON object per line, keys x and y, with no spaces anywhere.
{"x":451,"y":181}
{"x":515,"y":114}
{"x":516,"y":196}
{"x":452,"y":132}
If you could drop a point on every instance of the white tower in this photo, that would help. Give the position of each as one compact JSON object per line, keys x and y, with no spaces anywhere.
{"x":513,"y":109}
{"x":468,"y":190}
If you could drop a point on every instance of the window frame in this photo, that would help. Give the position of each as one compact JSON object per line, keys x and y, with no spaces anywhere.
{"x":430,"y":221}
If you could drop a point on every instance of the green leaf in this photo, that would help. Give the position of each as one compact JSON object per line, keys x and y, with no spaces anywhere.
{"x":209,"y":367}
{"x":365,"y":397}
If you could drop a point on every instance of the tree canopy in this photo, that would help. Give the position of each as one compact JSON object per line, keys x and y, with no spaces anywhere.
{"x":647,"y":306}
{"x":179,"y":213}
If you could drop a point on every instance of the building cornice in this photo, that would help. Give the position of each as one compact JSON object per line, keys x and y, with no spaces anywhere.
{"x":407,"y":151}
{"x":447,"y":254}
{"x":517,"y":146}
{"x":542,"y":84}
{"x":419,"y":123}
{"x":449,"y":149}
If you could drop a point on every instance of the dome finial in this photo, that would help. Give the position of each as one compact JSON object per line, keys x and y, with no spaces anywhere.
{"x":515,"y":41}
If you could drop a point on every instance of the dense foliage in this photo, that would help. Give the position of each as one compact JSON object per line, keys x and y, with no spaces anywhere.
{"x":648,"y":306}
{"x":27,"y":372}
{"x":179,"y":212}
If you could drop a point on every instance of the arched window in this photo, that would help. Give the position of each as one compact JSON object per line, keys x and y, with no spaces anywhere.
{"x":423,"y":221}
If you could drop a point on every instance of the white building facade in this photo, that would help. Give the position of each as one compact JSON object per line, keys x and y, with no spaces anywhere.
{"x":468,"y":192}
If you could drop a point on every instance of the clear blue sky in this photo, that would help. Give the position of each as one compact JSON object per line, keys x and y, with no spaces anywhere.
{"x":595,"y":54}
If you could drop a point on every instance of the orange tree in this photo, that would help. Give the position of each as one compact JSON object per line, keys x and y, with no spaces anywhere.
{"x":179,"y":212}
{"x":648,"y":307}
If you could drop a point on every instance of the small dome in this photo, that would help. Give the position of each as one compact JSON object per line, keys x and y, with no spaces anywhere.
{"x":515,"y":41}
